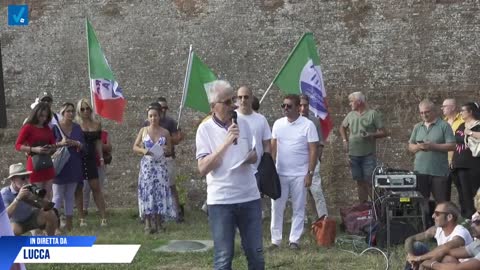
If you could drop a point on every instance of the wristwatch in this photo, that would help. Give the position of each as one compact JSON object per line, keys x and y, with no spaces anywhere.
{"x":470,"y":133}
{"x":310,"y":172}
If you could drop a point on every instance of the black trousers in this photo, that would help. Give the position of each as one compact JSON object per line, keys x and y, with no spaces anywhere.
{"x":467,"y":182}
{"x":438,"y":186}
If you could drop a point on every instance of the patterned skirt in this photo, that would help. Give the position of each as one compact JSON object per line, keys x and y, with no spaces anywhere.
{"x":154,"y":193}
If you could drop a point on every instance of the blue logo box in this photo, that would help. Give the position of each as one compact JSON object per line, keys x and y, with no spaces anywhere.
{"x":18,"y":15}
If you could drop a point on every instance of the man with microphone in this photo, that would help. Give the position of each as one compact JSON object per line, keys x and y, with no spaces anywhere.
{"x":224,"y":153}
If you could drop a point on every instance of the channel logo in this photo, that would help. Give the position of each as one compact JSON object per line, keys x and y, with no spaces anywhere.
{"x":18,"y":15}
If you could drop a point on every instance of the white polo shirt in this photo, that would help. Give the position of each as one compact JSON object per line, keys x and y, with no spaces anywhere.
{"x":292,"y":145}
{"x":224,"y":184}
{"x":261,"y":132}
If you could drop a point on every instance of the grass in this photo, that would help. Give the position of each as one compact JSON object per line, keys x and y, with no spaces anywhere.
{"x":124,"y":228}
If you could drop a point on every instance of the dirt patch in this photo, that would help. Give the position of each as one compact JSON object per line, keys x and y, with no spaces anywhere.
{"x":191,"y":7}
{"x":270,"y":5}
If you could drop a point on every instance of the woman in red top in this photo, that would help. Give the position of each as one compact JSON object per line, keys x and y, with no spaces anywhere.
{"x":36,"y":137}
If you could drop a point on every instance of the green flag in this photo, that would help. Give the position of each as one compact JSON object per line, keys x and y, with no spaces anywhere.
{"x":199,"y":78}
{"x":301,"y":74}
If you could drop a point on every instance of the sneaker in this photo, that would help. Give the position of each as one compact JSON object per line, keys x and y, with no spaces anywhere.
{"x":293,"y":246}
{"x":103,"y":223}
{"x":272,"y":247}
{"x":83,"y":223}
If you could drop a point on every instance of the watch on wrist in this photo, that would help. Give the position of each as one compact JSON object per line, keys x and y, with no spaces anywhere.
{"x":310,"y":172}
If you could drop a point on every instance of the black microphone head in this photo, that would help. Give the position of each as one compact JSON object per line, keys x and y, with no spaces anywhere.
{"x":234,"y":117}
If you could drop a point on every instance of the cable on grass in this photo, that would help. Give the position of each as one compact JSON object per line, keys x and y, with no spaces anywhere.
{"x":353,"y":239}
{"x":368,"y":249}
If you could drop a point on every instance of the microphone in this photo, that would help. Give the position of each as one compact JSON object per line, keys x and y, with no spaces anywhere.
{"x":234,"y":120}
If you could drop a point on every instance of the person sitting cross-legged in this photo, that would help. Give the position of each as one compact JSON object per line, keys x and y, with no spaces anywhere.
{"x":448,"y":233}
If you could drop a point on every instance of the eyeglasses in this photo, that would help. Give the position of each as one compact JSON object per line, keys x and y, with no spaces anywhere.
{"x":425,"y":112}
{"x":243,"y":97}
{"x":228,"y":102}
{"x":438,"y":213}
{"x":284,"y":105}
{"x":85,"y":109}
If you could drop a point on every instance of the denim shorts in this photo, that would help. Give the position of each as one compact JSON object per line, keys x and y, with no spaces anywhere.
{"x":362,"y":167}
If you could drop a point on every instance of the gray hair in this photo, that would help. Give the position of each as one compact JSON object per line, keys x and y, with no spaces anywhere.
{"x":216,"y":89}
{"x":452,"y":209}
{"x":426,"y":102}
{"x":359,"y":96}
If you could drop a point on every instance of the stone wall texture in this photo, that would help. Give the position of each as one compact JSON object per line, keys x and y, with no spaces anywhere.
{"x":396,"y":52}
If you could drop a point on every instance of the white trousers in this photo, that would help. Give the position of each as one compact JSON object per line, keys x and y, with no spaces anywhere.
{"x":295,"y":187}
{"x":317,"y":192}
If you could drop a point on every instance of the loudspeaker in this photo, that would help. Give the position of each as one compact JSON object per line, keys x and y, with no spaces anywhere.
{"x":399,"y":231}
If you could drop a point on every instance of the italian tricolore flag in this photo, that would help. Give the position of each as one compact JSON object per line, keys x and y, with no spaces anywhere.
{"x":107,"y":96}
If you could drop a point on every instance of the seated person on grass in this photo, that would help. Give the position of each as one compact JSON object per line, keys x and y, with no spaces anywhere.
{"x":25,"y":207}
{"x":448,"y":233}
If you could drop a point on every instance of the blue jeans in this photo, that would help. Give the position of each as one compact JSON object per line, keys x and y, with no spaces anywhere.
{"x":419,"y":248}
{"x":362,"y":167}
{"x":223,"y":219}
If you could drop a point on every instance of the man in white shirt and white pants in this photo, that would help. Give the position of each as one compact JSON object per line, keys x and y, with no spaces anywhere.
{"x":294,"y":147}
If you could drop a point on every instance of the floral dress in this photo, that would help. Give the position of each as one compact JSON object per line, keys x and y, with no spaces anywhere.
{"x":154,"y":194}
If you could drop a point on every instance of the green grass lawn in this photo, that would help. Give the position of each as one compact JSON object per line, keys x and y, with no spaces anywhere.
{"x":124,"y":228}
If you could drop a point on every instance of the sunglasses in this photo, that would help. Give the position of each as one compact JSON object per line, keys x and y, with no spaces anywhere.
{"x":48,"y":100}
{"x":22,"y":177}
{"x":85,"y":109}
{"x":475,"y":222}
{"x":288,"y":106}
{"x":438,"y":213}
{"x":243,"y":97}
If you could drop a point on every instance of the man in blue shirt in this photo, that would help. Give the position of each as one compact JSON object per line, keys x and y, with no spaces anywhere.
{"x":23,"y":207}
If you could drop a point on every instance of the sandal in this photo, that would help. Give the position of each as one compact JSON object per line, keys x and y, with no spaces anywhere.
{"x":104,"y":223}
{"x":83,"y":223}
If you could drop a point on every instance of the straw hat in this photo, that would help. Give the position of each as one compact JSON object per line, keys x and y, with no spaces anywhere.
{"x":16,"y":170}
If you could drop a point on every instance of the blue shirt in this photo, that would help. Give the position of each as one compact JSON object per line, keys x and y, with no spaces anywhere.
{"x":23,"y":210}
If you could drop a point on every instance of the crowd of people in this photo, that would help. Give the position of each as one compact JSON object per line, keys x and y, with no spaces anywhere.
{"x":230,"y":143}
{"x":76,"y":136}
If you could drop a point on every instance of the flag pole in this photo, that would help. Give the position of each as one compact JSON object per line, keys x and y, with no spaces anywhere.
{"x":185,"y":84}
{"x":268,"y":89}
{"x":284,"y":63}
{"x":88,"y":57}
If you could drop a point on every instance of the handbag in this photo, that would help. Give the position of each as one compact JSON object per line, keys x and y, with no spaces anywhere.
{"x":474,"y":146}
{"x":473,"y":143}
{"x":357,"y":217}
{"x":61,"y":156}
{"x":268,"y":180}
{"x":41,"y":162}
{"x":325,"y":230}
{"x":107,"y":158}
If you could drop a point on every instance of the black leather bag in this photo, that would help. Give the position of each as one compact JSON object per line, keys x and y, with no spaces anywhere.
{"x":267,"y":177}
{"x":42,"y":162}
